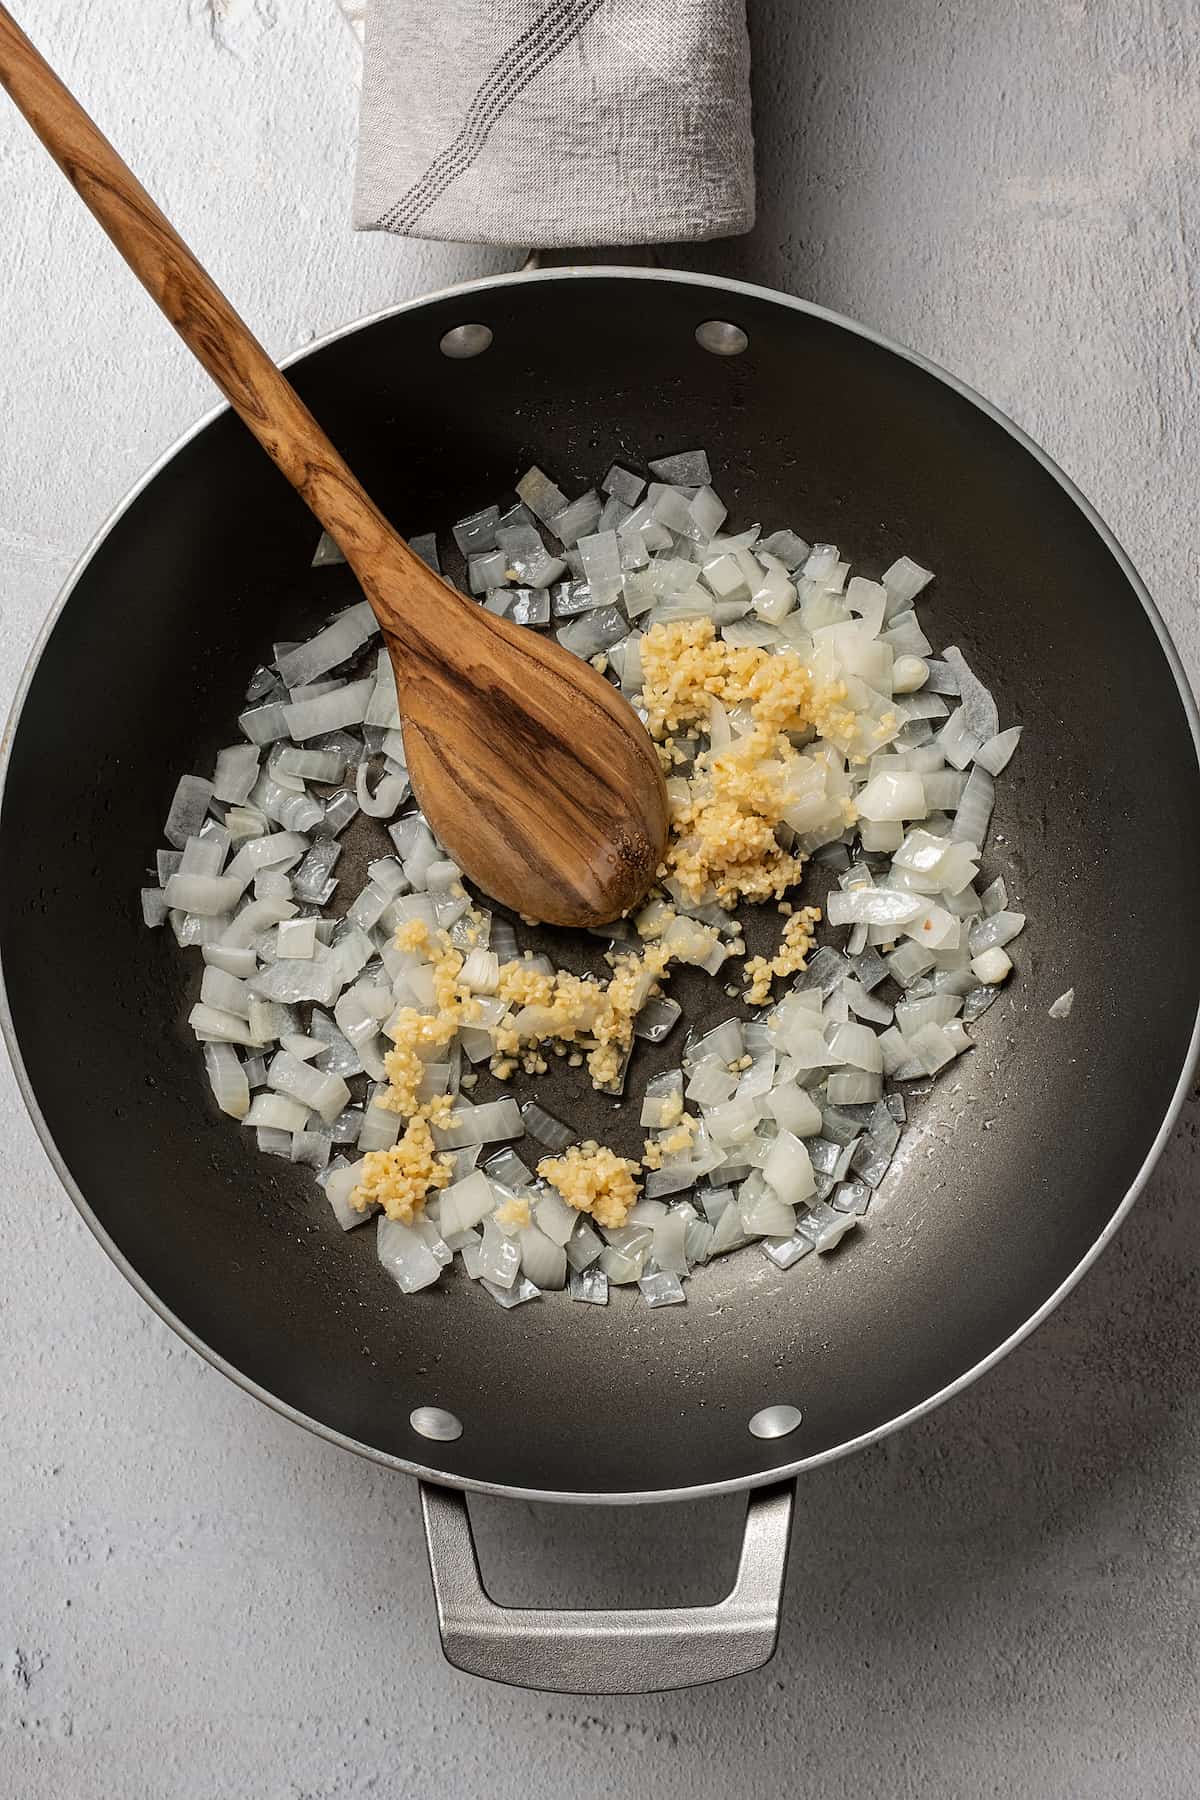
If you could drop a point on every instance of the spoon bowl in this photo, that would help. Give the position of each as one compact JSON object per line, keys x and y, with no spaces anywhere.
{"x":529,"y":766}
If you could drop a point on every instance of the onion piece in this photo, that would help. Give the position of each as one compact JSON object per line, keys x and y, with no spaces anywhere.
{"x":854,"y":1087}
{"x":489,"y":1123}
{"x":327,"y":552}
{"x":476,"y":534}
{"x":154,"y":907}
{"x":336,"y":644}
{"x":344,"y":705}
{"x":516,"y":1295}
{"x":978,"y":707}
{"x":480,"y":972}
{"x":188,"y":810}
{"x":763,"y":1212}
{"x":206,"y":895}
{"x":686,"y":468}
{"x":388,"y":797}
{"x":825,"y":1227}
{"x":499,"y":1256}
{"x":292,"y":980}
{"x":542,"y":1261}
{"x":326,"y":1094}
{"x":590,"y":1285}
{"x":467,"y":1203}
{"x":872,"y":906}
{"x":212,"y":1025}
{"x":583,"y":1246}
{"x":264,"y":724}
{"x":661,"y":1289}
{"x":996,"y":930}
{"x":931,"y":1048}
{"x":784,"y":1251}
{"x":974,"y":814}
{"x":957,"y":741}
{"x":728,"y":1233}
{"x":576,"y":519}
{"x":904,"y":580}
{"x":711,"y":1083}
{"x":296,"y":938}
{"x":226,"y":992}
{"x":992,"y":966}
{"x":339,"y":1183}
{"x":908,"y":674}
{"x":559,"y":1221}
{"x":313,"y":881}
{"x":670,"y":1236}
{"x":794,"y":1109}
{"x":888,"y":796}
{"x":280,"y":850}
{"x":227,"y":1078}
{"x":856,"y":1045}
{"x":340,"y":808}
{"x":277,"y":1112}
{"x":236,"y":773}
{"x":406,"y":1256}
{"x":996,"y":754}
{"x":379,"y":1129}
{"x":543,"y":498}
{"x":545,"y":1127}
{"x":234,"y":962}
{"x":789,"y":1171}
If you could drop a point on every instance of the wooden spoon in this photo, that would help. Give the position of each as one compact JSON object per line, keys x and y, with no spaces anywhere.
{"x":532,"y":770}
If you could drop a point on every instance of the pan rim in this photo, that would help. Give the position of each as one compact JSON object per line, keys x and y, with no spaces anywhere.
{"x":701,"y":1490}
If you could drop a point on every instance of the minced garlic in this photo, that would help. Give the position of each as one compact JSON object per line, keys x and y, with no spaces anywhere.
{"x":593,"y":1179}
{"x":670,"y":1142}
{"x":725,"y":846}
{"x":514,"y":1213}
{"x":792,"y":955}
{"x":672,"y":1109}
{"x":410,"y":1029}
{"x":724,"y":818}
{"x":403,"y":1064}
{"x":566,"y":1008}
{"x":399,"y":1179}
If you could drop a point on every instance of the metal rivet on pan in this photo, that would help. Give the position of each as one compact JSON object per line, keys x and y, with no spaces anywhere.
{"x":775,"y":1421}
{"x":722,"y":338}
{"x":434,"y":1422}
{"x":466,"y":340}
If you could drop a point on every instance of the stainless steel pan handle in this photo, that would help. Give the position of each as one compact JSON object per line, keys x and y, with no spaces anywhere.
{"x":638,"y":1652}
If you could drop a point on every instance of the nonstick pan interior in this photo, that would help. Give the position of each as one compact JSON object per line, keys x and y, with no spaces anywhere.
{"x":1016,"y":1162}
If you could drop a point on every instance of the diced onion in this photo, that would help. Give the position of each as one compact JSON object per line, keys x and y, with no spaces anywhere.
{"x":326,"y":1094}
{"x":996,"y":754}
{"x":789,"y":1114}
{"x":345,"y":705}
{"x":485,"y":1124}
{"x":545,"y":1127}
{"x":336,"y":644}
{"x":978,"y":707}
{"x":389,"y":795}
{"x":406,"y":1256}
{"x":789,"y":1171}
{"x":227,"y":1078}
{"x":542,"y":1261}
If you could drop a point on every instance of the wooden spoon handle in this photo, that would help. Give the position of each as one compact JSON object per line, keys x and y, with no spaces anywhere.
{"x":258,"y":392}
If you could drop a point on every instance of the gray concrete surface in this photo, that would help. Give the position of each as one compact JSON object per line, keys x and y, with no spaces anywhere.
{"x":199,"y":1602}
